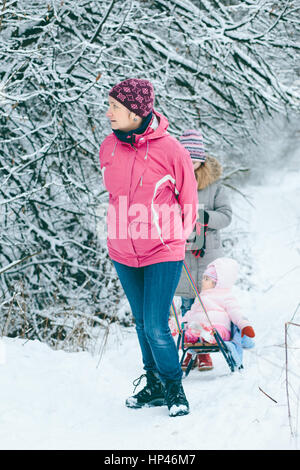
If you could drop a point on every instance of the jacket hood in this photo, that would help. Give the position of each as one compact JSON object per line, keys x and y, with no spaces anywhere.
{"x":209,"y":172}
{"x":157,"y":128}
{"x":227,"y":272}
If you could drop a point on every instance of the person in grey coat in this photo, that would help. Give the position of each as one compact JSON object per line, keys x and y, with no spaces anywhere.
{"x":215,"y":213}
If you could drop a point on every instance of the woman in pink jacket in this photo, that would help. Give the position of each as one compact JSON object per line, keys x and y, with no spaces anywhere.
{"x":221,"y":308}
{"x":152,"y":210}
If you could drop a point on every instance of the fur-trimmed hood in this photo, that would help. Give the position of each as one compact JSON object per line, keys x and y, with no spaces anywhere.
{"x":209,"y":172}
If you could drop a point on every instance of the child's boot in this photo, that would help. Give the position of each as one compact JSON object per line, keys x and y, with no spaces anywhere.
{"x":204,"y":362}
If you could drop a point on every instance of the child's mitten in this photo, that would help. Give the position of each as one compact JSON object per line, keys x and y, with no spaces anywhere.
{"x":190,"y":336}
{"x":201,"y":229}
{"x":198,"y":253}
{"x":248,"y":331}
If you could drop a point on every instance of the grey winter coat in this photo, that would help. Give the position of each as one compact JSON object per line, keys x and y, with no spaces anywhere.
{"x":212,"y":196}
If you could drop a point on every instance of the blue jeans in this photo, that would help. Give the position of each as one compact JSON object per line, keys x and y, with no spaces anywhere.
{"x":186,"y":304}
{"x":150,"y":291}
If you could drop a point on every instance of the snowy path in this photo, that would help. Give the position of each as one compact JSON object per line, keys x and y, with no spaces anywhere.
{"x":56,"y":400}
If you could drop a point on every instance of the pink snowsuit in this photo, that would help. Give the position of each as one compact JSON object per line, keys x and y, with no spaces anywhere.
{"x":153,"y":198}
{"x":221,"y":305}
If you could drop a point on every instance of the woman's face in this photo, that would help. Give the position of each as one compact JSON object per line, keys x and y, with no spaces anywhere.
{"x":120,"y":117}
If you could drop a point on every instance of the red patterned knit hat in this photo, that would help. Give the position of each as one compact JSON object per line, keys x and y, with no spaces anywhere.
{"x":192,"y":140}
{"x":135,"y":94}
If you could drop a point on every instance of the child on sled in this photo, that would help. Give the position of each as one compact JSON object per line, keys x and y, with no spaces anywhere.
{"x":221,"y":306}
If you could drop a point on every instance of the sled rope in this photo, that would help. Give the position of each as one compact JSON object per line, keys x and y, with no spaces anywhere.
{"x":173,"y":308}
{"x":192,"y":282}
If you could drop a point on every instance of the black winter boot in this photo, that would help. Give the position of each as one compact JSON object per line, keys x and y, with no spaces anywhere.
{"x":153,"y":394}
{"x":176,"y":399}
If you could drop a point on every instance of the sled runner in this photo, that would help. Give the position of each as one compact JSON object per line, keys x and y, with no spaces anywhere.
{"x":206,"y":348}
{"x":231,"y":350}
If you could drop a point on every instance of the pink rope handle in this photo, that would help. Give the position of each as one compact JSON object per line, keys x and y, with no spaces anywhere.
{"x":197,"y":293}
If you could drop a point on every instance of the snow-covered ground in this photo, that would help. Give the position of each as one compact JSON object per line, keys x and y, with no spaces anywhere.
{"x":58,"y":400}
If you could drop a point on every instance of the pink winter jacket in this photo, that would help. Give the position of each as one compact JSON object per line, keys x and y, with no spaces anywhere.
{"x":221,"y":305}
{"x":153,"y":198}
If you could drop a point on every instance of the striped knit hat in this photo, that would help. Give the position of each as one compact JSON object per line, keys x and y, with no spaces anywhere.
{"x":211,"y":272}
{"x":192,"y":140}
{"x":135,"y":94}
